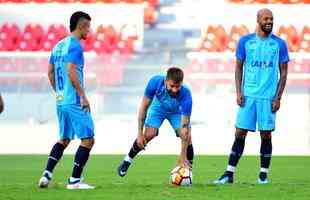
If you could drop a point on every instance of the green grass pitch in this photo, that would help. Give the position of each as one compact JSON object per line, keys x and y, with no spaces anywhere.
{"x":148,"y":178}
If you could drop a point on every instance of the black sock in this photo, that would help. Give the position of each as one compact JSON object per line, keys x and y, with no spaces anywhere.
{"x":265,"y":153}
{"x":236,"y":151}
{"x":135,"y":149}
{"x":190,"y":153}
{"x":80,"y":160}
{"x":54,"y":157}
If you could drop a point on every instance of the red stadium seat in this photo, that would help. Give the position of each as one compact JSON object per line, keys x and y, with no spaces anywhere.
{"x":7,"y":43}
{"x":64,"y":1}
{"x":106,"y":40}
{"x":47,"y":45}
{"x":153,"y":3}
{"x":10,"y":36}
{"x":126,"y":46}
{"x":55,"y":33}
{"x":42,"y":1}
{"x":20,"y":1}
{"x":290,"y":1}
{"x":215,"y":39}
{"x":290,"y":35}
{"x":59,"y":30}
{"x":88,"y":1}
{"x":260,"y":1}
{"x":235,"y":33}
{"x":103,"y":47}
{"x":150,"y":15}
{"x":26,"y":44}
{"x":32,"y":37}
{"x":133,"y":1}
{"x":111,"y":35}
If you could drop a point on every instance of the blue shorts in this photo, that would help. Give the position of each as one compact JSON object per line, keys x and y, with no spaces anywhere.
{"x":73,"y":121}
{"x":256,"y":111}
{"x":156,"y":116}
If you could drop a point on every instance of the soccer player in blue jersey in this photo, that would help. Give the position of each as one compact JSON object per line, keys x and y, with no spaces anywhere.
{"x":65,"y":73}
{"x":165,"y":97}
{"x":260,"y":75}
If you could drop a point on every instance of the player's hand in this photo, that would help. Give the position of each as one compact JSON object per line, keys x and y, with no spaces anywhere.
{"x":141,"y":141}
{"x":275,"y":105}
{"x":85,"y":104}
{"x":240,"y":99}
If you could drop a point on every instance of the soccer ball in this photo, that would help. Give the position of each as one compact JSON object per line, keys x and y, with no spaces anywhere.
{"x":181,"y":176}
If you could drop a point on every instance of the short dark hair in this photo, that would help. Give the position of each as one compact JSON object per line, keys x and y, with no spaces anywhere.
{"x":175,"y":74}
{"x":76,"y":17}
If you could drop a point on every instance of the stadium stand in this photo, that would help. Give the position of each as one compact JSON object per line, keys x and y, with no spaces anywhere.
{"x":150,"y":6}
{"x":116,"y":46}
{"x":108,"y":40}
{"x":215,"y":39}
{"x":33,"y":38}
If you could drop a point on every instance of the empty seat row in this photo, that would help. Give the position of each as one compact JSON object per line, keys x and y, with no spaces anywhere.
{"x":34,"y":38}
{"x":217,"y":39}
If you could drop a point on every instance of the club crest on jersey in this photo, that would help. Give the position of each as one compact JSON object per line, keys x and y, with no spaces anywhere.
{"x":60,"y":98}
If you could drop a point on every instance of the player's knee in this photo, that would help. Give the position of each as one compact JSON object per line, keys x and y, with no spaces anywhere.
{"x":88,"y":143}
{"x":241,"y":133}
{"x":265,"y":135}
{"x":65,"y":143}
{"x":150,"y":133}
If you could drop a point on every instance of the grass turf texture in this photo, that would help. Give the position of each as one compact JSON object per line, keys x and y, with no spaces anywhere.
{"x":148,"y":178}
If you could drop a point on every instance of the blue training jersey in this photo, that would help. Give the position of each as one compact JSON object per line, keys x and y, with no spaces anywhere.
{"x":67,"y":50}
{"x":157,"y":92}
{"x":261,"y":58}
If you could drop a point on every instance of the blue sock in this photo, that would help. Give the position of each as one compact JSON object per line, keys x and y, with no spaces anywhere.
{"x":80,"y":160}
{"x":54,"y":157}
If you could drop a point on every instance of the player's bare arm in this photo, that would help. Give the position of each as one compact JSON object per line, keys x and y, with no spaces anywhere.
{"x":280,"y":88}
{"x":184,"y":135}
{"x":238,"y":82}
{"x":51,"y":76}
{"x":145,"y":103}
{"x":74,"y":79}
{"x":1,"y":104}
